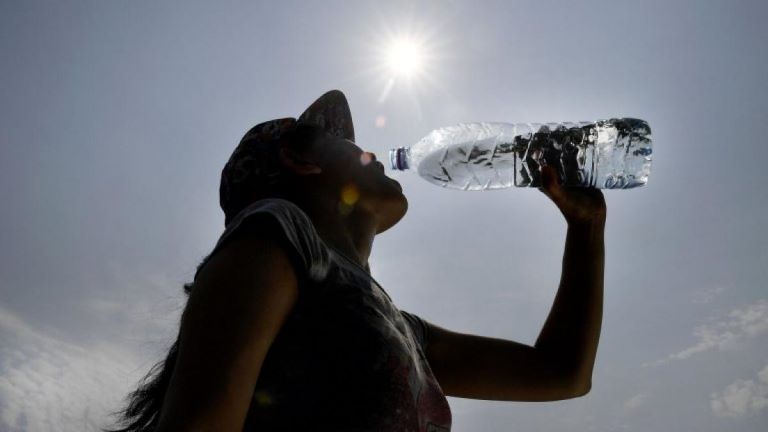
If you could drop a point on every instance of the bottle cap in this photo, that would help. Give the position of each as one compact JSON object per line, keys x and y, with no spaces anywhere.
{"x":398,"y":158}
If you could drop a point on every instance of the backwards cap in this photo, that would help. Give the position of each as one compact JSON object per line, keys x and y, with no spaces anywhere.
{"x":254,"y":164}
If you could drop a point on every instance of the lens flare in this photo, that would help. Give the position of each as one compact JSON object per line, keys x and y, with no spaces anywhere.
{"x":349,"y":194}
{"x":262,"y":397}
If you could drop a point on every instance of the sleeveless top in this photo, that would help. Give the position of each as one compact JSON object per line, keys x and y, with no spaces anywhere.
{"x":346,"y":359}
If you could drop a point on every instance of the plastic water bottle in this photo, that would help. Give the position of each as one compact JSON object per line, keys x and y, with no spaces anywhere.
{"x":605,"y":154}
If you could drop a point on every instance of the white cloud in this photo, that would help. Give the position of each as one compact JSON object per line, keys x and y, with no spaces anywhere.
{"x":737,"y":326}
{"x":742,"y":397}
{"x":47,"y":384}
{"x":635,"y":401}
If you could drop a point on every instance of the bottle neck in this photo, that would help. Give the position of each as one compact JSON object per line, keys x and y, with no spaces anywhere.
{"x":399,"y":158}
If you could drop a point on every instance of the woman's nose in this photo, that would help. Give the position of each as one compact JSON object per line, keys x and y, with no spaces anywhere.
{"x":371,"y":155}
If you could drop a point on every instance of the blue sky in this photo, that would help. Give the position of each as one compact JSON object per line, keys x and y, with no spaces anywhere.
{"x":116,"y":118}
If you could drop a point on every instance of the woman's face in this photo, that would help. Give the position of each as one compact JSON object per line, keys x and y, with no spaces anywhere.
{"x":360,"y":180}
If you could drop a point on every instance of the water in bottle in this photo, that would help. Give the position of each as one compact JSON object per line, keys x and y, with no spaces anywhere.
{"x":605,"y":154}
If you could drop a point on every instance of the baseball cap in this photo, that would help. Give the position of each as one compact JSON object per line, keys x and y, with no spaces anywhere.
{"x":254,"y":165}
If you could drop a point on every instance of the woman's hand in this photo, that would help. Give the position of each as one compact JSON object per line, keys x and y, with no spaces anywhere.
{"x":579,"y":205}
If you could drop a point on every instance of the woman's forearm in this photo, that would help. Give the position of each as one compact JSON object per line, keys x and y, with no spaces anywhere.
{"x":571,"y":332}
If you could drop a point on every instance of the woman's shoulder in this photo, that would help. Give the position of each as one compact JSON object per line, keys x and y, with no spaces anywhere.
{"x":288,"y":223}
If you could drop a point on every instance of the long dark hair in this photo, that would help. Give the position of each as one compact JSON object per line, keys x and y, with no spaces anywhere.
{"x":142,"y":413}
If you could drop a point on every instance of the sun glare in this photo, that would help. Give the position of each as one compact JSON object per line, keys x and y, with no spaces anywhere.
{"x":404,"y":60}
{"x":405,"y":57}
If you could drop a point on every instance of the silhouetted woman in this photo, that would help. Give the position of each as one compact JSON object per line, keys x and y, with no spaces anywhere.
{"x":285,"y":329}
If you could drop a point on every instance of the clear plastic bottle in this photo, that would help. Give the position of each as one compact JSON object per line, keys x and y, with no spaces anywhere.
{"x":605,"y":154}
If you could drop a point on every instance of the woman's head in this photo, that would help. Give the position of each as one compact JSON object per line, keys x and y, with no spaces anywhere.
{"x":310,"y":159}
{"x":338,"y":174}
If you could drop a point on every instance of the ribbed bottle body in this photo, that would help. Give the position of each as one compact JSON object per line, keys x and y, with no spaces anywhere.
{"x":606,"y":154}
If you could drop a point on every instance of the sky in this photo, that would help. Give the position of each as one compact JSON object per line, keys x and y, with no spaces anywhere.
{"x":116,"y":118}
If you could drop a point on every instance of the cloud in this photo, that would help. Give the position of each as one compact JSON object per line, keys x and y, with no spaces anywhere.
{"x":737,"y":326}
{"x":742,"y":397}
{"x":635,"y":401}
{"x":47,"y":384}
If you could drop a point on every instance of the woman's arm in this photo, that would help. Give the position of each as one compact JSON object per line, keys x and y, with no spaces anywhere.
{"x":572,"y":330}
{"x":239,"y":302}
{"x":559,"y":365}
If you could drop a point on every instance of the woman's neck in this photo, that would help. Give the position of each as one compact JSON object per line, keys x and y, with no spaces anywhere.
{"x":351,"y":234}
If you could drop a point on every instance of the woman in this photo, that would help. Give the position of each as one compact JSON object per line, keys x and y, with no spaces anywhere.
{"x":285,"y":329}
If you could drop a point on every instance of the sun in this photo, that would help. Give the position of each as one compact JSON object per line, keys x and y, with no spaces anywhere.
{"x":405,"y":57}
{"x":405,"y":61}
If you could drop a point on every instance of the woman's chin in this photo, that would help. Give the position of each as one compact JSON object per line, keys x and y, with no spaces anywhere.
{"x":390,"y":211}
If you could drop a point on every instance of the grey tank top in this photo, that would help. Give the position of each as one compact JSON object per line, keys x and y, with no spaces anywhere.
{"x":346,"y":359}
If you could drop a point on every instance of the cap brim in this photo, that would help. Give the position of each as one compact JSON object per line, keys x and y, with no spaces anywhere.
{"x":331,"y":112}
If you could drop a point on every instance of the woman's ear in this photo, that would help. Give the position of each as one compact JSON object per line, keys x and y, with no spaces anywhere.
{"x":297,"y":165}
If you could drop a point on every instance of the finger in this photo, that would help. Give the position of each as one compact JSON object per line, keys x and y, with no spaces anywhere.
{"x":550,"y":180}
